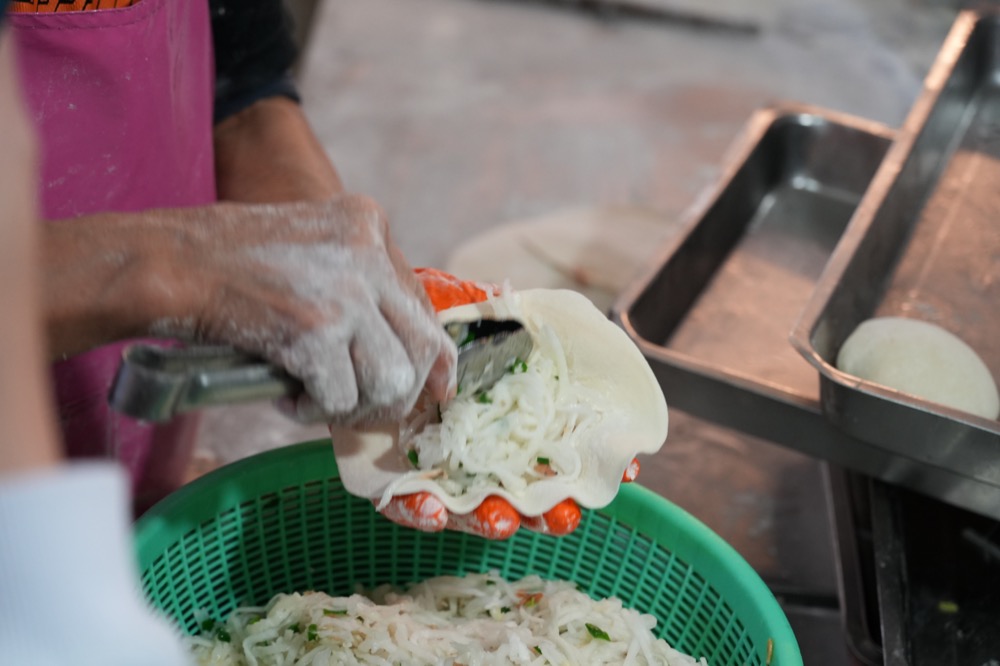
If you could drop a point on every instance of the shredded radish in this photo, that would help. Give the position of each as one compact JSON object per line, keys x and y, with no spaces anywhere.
{"x":475,"y":620}
{"x":523,"y":430}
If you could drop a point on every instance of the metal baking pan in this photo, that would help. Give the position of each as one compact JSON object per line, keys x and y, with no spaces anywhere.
{"x":721,"y":299}
{"x":925,"y":243}
{"x":713,"y":311}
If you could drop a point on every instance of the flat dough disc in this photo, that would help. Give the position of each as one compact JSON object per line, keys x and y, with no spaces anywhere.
{"x":594,"y":251}
{"x":921,"y":359}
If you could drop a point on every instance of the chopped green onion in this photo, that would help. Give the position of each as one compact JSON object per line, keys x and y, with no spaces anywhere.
{"x":597,"y":632}
{"x":414,"y":458}
{"x":469,"y":337}
{"x":312,"y":632}
{"x":484,"y":398}
{"x":458,"y":390}
{"x":531,"y":601}
{"x":294,"y":628}
{"x":538,"y":650}
{"x":223,"y":635}
{"x":329,"y":612}
{"x":519,"y":365}
{"x":254,"y":620}
{"x":490,"y":582}
{"x":207,"y":625}
{"x":505,"y":609}
{"x":543,"y":461}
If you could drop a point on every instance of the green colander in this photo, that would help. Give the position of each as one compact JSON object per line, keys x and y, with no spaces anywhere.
{"x":281,"y":521}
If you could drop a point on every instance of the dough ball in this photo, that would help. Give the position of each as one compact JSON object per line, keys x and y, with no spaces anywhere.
{"x":921,"y":359}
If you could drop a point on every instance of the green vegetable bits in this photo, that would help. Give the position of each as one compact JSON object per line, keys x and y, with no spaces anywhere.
{"x":518,"y":366}
{"x":597,"y":632}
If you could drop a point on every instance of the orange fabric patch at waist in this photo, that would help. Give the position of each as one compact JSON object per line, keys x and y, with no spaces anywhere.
{"x":42,"y":6}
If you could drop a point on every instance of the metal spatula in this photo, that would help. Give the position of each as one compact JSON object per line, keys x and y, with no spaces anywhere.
{"x":157,"y":383}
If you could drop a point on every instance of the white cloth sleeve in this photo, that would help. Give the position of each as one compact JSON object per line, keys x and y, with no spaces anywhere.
{"x":69,"y":591}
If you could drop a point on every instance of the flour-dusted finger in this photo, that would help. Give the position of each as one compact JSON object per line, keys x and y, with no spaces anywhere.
{"x":321,"y":360}
{"x":441,"y":382}
{"x":431,"y":352}
{"x":385,"y":374}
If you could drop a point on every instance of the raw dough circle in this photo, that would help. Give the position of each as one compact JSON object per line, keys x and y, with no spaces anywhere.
{"x":921,"y":359}
{"x":594,"y":251}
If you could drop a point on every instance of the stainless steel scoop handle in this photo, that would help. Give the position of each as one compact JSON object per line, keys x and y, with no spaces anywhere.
{"x":157,"y":383}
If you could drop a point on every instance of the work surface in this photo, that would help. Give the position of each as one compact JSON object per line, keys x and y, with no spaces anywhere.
{"x":461,"y":115}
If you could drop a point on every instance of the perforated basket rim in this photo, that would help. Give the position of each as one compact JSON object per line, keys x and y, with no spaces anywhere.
{"x":636,"y":507}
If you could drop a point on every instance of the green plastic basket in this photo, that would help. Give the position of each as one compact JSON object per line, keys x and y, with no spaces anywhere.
{"x":281,"y":521}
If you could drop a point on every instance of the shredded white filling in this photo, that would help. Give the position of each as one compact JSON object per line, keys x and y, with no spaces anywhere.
{"x":475,"y":620}
{"x":525,"y":429}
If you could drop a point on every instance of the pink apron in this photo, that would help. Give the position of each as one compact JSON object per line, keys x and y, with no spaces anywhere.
{"x":122,"y":99}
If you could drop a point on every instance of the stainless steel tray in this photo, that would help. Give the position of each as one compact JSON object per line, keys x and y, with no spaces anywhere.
{"x":732,"y":286}
{"x":713,"y":311}
{"x":712,"y":314}
{"x":925,"y":243}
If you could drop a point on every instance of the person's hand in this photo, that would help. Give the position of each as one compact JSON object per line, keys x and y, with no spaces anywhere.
{"x":494,"y":518}
{"x":328,"y":297}
{"x":316,"y":288}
